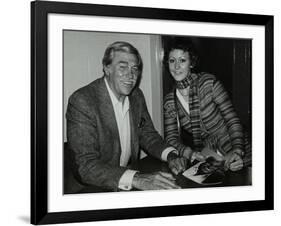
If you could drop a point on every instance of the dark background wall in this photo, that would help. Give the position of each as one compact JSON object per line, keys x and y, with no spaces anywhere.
{"x":228,"y":59}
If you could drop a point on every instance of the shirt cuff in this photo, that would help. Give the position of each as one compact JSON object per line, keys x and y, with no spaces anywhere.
{"x":125,"y":182}
{"x":165,"y":153}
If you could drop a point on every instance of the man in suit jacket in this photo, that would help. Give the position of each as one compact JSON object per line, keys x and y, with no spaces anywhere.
{"x":108,"y":123}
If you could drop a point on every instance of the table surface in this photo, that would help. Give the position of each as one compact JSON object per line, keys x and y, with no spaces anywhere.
{"x":150,"y":164}
{"x":239,"y":178}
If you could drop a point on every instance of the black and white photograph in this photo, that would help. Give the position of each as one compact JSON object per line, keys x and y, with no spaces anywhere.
{"x":152,"y":112}
{"x":148,"y":112}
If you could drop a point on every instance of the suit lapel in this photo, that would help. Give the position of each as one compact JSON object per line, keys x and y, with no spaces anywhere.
{"x":134,"y":128}
{"x":107,"y":112}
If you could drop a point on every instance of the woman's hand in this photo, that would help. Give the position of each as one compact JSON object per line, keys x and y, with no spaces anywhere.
{"x":233,"y":160}
{"x":197,"y":156}
{"x":193,"y":155}
{"x":187,"y":153}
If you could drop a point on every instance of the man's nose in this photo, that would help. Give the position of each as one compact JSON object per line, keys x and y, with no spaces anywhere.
{"x":130,"y":73}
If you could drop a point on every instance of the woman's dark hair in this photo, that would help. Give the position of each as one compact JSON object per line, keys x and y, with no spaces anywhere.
{"x":183,"y":44}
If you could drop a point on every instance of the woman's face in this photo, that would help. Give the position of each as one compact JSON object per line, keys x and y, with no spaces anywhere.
{"x":179,"y":64}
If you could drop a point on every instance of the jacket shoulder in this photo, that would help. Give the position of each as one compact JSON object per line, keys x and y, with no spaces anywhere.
{"x":85,"y":95}
{"x":206,"y":79}
{"x":204,"y":76}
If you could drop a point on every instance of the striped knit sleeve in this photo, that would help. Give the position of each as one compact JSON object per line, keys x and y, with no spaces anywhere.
{"x":171,"y":133}
{"x":233,"y":123}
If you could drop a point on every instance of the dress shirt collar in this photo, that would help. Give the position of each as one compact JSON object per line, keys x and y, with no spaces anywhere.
{"x":115,"y":101}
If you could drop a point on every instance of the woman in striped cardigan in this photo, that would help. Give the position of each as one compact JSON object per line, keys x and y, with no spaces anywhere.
{"x":200,"y":106}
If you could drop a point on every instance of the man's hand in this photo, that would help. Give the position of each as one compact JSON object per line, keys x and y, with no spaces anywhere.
{"x":154,"y":181}
{"x":233,"y":161}
{"x":177,"y":164}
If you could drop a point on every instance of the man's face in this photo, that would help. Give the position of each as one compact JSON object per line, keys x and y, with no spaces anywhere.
{"x":122,"y":74}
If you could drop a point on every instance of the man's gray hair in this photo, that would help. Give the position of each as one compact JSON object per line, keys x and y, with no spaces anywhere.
{"x":122,"y":47}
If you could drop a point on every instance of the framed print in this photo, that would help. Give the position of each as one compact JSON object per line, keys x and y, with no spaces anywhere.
{"x":144,"y":112}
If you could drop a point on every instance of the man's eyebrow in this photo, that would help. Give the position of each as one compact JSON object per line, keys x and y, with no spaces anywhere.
{"x":127,"y":63}
{"x":123,"y":62}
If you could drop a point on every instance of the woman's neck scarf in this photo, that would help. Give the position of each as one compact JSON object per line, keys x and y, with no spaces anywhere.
{"x":183,"y":84}
{"x":194,"y":106}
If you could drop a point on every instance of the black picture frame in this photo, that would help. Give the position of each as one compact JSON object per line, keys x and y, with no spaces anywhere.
{"x":39,"y":112}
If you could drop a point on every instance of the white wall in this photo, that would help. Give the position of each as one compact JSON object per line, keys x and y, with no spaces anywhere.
{"x":15,"y":113}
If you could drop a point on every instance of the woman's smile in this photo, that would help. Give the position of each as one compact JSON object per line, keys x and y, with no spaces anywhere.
{"x":179,"y":64}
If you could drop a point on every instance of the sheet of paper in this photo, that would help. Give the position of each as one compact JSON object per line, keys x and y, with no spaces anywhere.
{"x":191,"y":174}
{"x":198,"y":174}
